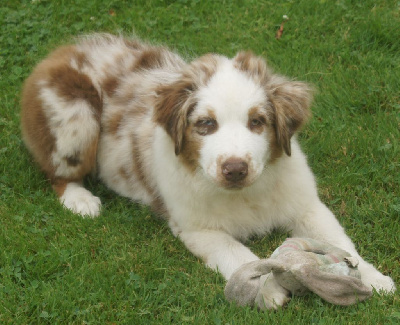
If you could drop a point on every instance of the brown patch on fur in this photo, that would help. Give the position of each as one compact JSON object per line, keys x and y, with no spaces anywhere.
{"x":71,"y":85}
{"x":138,"y":112}
{"x":206,"y":125}
{"x":56,"y":72}
{"x":133,"y":44}
{"x":139,"y":169}
{"x":123,"y":173}
{"x":252,"y":65}
{"x":157,"y":204}
{"x":159,"y":208}
{"x":290,"y":101}
{"x":74,"y":160}
{"x":193,"y":135}
{"x":113,"y":124}
{"x":125,"y":97}
{"x":35,"y":129}
{"x":211,"y":114}
{"x":81,"y":163}
{"x":59,"y":186}
{"x":172,"y":109}
{"x":150,"y":58}
{"x":191,"y":149}
{"x":88,"y":159}
{"x":110,"y":85}
{"x":81,"y":60}
{"x":204,"y":68}
{"x":257,"y":120}
{"x":266,"y":124}
{"x":276,"y":150}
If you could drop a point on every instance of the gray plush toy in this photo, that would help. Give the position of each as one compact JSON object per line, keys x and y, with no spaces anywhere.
{"x":298,"y":266}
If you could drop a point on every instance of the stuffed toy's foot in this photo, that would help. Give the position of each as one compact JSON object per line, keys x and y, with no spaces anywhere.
{"x":271,"y":294}
{"x":253,"y":284}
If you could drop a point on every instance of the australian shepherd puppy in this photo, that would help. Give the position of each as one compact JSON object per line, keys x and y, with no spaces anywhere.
{"x":208,"y":144}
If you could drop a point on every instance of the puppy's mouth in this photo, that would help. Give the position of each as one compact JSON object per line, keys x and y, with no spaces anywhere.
{"x":235,"y":186}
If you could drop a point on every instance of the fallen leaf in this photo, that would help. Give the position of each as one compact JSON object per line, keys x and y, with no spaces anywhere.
{"x":279,"y":32}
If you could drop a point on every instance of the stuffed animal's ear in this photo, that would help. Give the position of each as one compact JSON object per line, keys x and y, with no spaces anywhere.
{"x":337,"y":289}
{"x":291,"y":101}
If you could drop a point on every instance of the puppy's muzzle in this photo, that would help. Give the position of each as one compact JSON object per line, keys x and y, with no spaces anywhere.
{"x":235,"y":171}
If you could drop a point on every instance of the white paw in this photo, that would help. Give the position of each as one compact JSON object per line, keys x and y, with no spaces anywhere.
{"x":383,"y":284}
{"x":371,"y":277}
{"x":81,"y":201}
{"x":271,"y":294}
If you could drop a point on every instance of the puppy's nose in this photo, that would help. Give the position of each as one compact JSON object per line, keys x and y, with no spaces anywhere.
{"x":234,"y":170}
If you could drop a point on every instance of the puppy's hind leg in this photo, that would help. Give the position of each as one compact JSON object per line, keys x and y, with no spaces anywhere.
{"x":73,"y":158}
{"x":60,"y":120}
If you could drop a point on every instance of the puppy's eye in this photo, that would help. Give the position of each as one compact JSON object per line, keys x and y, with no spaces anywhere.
{"x":208,"y":123}
{"x":206,"y":126}
{"x":256,"y":124}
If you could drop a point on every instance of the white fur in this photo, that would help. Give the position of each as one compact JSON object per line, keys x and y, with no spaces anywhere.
{"x":80,"y":200}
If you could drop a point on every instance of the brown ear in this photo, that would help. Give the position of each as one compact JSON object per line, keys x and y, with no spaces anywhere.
{"x":291,"y":101}
{"x":174,"y":103}
{"x":252,"y":65}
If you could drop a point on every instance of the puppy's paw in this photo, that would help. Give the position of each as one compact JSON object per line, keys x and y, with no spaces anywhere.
{"x":80,"y":201}
{"x":371,"y":277}
{"x":383,"y":284}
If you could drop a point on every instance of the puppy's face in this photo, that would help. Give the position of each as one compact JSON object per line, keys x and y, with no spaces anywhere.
{"x":230,"y":118}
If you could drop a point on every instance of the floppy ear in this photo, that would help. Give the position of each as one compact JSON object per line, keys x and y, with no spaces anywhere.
{"x":254,"y":66}
{"x":173,"y":105}
{"x":291,"y":101}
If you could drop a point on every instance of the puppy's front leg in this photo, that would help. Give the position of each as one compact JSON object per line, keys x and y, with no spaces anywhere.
{"x":223,"y":253}
{"x":320,"y":223}
{"x":218,"y":250}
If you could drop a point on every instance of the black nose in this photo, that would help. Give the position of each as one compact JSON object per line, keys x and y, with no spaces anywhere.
{"x":234,"y":170}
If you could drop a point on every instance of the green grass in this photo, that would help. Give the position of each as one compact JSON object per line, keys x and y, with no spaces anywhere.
{"x":125,"y":267}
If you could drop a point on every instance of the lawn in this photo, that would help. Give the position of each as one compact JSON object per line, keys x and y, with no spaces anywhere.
{"x":125,"y":267}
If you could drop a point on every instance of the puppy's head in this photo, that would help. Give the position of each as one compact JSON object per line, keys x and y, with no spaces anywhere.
{"x":228,"y":118}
